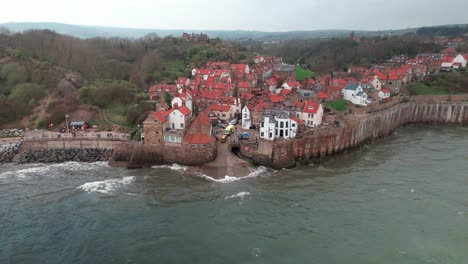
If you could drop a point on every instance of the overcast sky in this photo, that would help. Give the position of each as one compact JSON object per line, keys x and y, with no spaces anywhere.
{"x":264,"y":15}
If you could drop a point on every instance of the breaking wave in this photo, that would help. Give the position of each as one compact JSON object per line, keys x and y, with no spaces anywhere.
{"x":241,"y":195}
{"x":227,"y":179}
{"x":38,"y":169}
{"x":175,"y":167}
{"x":106,"y":186}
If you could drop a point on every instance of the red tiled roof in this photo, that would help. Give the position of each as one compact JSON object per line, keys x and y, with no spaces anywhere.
{"x":247,"y":96}
{"x":276,"y":98}
{"x":198,"y":132}
{"x":271,"y":82}
{"x":385,"y":90}
{"x":286,"y":91}
{"x":184,"y":110}
{"x":294,"y":84}
{"x":298,"y":104}
{"x":221,"y":108}
{"x":322,"y":95}
{"x":244,"y":85}
{"x":182,"y":80}
{"x":311,"y":107}
{"x":198,"y":139}
{"x":447,"y":59}
{"x":297,"y":120}
{"x":337,"y":85}
{"x":160,"y":115}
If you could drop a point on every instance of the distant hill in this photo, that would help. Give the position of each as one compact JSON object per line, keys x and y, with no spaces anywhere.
{"x":133,"y":33}
{"x":97,"y":31}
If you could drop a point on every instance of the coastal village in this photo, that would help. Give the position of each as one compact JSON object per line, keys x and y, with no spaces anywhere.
{"x":224,"y":117}
{"x":244,"y":104}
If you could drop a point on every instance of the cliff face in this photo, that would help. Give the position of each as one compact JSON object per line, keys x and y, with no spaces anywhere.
{"x":324,"y":142}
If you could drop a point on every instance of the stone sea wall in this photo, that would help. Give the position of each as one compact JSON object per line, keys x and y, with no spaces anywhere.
{"x":64,"y":155}
{"x":136,"y":155}
{"x":324,"y":142}
{"x":57,"y":150}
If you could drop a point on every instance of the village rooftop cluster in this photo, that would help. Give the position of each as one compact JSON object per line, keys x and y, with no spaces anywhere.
{"x":267,"y":100}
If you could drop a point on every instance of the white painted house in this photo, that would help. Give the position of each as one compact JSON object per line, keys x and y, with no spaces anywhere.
{"x":182,"y":99}
{"x":377,"y":83}
{"x":292,"y":85}
{"x":179,"y":118}
{"x":246,"y":121}
{"x":277,"y":124}
{"x":311,"y":114}
{"x":355,"y":94}
{"x":182,"y":82}
{"x":460,"y":61}
{"x":384,"y":94}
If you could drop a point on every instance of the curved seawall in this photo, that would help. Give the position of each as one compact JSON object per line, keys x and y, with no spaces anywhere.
{"x":326,"y":141}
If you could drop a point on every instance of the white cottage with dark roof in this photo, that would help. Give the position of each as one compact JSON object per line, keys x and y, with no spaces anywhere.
{"x":277,"y":124}
{"x":355,"y":94}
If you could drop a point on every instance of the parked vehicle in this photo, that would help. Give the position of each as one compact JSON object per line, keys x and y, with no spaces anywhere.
{"x":224,"y":138}
{"x":244,"y":135}
{"x":233,"y":121}
{"x":230,"y":129}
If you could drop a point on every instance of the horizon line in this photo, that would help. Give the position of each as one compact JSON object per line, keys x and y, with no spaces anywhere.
{"x":211,"y":30}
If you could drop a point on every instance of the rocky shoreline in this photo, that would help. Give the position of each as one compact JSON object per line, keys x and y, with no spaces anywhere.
{"x":8,"y":151}
{"x":64,"y":155}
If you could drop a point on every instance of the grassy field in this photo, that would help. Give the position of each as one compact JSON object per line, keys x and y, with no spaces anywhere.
{"x":444,"y":83}
{"x":339,"y":105}
{"x":424,"y":89}
{"x":302,"y":73}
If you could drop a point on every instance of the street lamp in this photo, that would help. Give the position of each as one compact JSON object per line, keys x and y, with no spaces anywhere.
{"x":66,"y":120}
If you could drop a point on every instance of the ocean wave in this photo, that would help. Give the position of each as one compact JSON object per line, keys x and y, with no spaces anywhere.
{"x":24,"y":173}
{"x":241,"y":195}
{"x":106,"y":186}
{"x":39,"y":168}
{"x":228,"y":179}
{"x":175,"y":167}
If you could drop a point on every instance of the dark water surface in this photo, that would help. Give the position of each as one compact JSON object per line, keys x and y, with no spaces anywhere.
{"x":401,"y":200}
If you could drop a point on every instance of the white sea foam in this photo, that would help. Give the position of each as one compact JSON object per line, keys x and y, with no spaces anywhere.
{"x":227,"y":179}
{"x":241,"y":195}
{"x":106,"y":186}
{"x":175,"y":167}
{"x":23,"y":173}
{"x":38,"y":168}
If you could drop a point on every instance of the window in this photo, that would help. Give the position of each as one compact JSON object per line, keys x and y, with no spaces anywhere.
{"x":182,"y":125}
{"x":173,"y":125}
{"x":262,"y":134}
{"x":262,"y":124}
{"x":293,"y":125}
{"x":286,"y":133}
{"x":281,"y":124}
{"x":271,"y":135}
{"x":287,"y":124}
